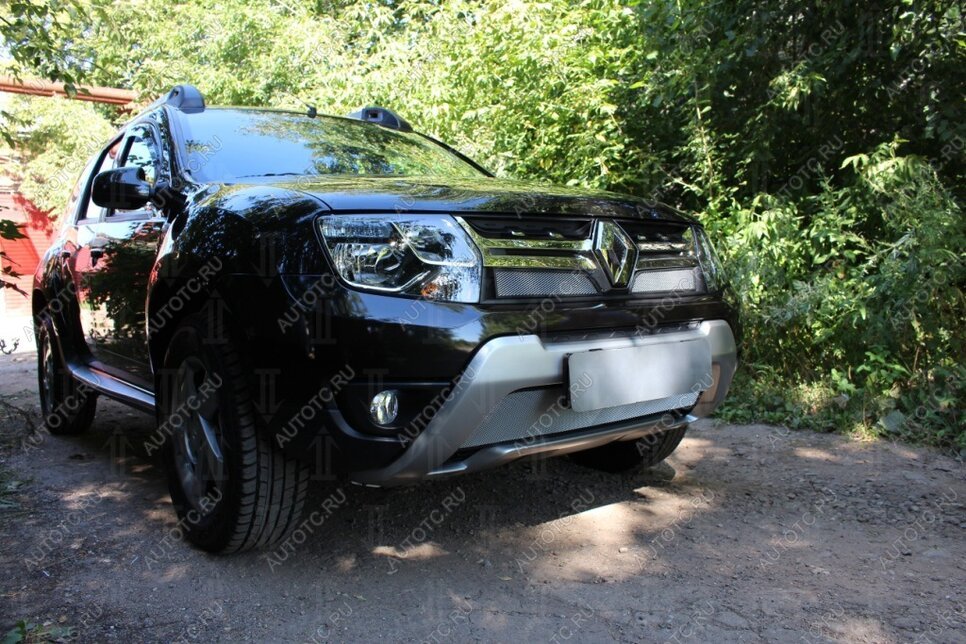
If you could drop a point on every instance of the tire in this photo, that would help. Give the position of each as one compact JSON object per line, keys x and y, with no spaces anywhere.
{"x":624,"y":455}
{"x":67,"y":405}
{"x":231,"y":488}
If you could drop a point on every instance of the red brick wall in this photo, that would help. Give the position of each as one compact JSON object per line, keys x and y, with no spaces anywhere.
{"x":22,"y":255}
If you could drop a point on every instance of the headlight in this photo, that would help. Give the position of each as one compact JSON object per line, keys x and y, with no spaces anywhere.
{"x":424,"y":255}
{"x":714,"y":277}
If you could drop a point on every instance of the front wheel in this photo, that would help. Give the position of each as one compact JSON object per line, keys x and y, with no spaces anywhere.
{"x":231,"y":488}
{"x":624,"y":455}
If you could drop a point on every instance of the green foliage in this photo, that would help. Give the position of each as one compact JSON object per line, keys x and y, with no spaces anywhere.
{"x":9,"y":230}
{"x":821,"y":145}
{"x":859,"y":289}
{"x":55,"y":139}
{"x":41,"y":36}
{"x":29,"y":633}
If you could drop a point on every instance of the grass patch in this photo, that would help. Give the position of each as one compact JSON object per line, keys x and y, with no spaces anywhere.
{"x":919,"y":416}
{"x":10,"y":489}
{"x":25,"y":632}
{"x":16,"y":423}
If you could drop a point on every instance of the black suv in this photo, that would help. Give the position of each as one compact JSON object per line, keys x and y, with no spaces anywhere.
{"x":293,"y":293}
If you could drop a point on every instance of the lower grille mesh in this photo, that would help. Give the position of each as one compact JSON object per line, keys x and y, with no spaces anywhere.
{"x":527,"y":415}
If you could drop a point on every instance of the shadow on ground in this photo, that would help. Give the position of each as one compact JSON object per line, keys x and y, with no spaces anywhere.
{"x":746,"y":533}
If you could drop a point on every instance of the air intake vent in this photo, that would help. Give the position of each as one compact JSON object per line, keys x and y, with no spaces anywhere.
{"x":662,"y":245}
{"x":680,"y":280}
{"x":536,"y":283}
{"x":535,"y":229}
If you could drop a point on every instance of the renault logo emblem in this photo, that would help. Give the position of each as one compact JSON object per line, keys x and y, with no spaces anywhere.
{"x":615,"y":251}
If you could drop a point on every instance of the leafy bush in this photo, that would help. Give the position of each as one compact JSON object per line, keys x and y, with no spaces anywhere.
{"x":857,"y":289}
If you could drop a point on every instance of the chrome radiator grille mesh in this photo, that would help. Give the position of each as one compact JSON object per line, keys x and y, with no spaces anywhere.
{"x":528,"y":415}
{"x":678,"y":280}
{"x":531,"y":283}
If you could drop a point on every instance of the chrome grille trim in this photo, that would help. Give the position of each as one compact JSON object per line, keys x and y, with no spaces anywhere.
{"x":572,"y":254}
{"x":663,"y":257}
{"x":663,"y":247}
{"x":573,"y":263}
{"x":658,"y":263}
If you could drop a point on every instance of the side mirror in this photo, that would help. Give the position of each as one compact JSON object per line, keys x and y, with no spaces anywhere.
{"x":122,"y":189}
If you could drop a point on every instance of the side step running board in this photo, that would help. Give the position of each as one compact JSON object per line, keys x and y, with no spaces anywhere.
{"x":114,"y":387}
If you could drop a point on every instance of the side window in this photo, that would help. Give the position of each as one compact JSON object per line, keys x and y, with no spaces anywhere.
{"x":141,"y":151}
{"x":92,"y":210}
{"x":70,"y":212}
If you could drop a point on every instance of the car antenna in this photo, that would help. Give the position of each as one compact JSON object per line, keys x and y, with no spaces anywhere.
{"x":310,"y":111}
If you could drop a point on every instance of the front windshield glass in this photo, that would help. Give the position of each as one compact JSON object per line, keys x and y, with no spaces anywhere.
{"x":228,"y":145}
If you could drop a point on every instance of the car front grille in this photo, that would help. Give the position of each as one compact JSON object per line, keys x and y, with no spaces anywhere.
{"x":584,"y":257}
{"x":528,"y":415}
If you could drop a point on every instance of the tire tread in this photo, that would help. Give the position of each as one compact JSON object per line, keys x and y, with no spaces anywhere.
{"x":271,"y":487}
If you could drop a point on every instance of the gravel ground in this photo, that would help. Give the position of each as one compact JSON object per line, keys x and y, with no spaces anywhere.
{"x":747,"y":533}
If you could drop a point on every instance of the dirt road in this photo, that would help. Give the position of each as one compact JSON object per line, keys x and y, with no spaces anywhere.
{"x":748,"y":533}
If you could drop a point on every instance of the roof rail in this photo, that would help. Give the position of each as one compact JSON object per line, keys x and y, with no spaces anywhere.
{"x":382,"y":116}
{"x":186,"y":98}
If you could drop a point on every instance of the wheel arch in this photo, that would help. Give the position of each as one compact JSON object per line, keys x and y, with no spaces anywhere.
{"x":38,"y":302}
{"x":170,"y":302}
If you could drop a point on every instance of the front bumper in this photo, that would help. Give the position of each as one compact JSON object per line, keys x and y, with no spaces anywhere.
{"x":299,"y":345}
{"x":486,"y":419}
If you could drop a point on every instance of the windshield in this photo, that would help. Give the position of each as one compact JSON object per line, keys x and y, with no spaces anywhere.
{"x":227,"y":145}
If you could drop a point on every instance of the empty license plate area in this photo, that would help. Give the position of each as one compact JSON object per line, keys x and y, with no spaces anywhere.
{"x":613,"y":377}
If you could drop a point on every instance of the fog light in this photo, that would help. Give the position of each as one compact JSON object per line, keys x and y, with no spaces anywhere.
{"x":384,"y":407}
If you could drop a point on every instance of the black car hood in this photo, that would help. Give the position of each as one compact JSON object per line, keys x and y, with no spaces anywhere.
{"x":485,"y":195}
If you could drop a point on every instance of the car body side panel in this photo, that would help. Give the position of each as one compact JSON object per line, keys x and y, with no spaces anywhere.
{"x":221,"y":233}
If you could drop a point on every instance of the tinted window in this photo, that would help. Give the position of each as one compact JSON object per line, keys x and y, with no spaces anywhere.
{"x":142,"y":152}
{"x":229,"y":145}
{"x":107,"y":163}
{"x":77,"y":191}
